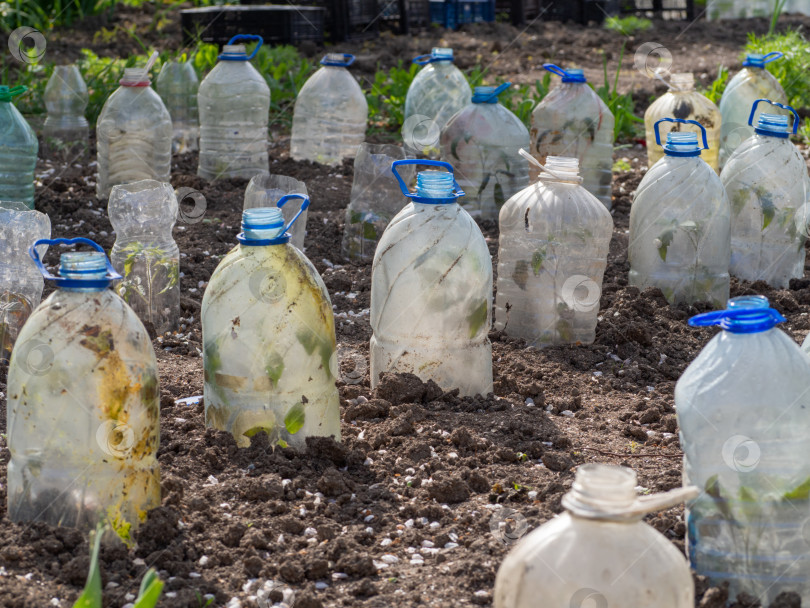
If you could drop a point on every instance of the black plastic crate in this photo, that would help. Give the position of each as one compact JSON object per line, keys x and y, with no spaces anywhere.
{"x":276,"y":24}
{"x":405,"y":16}
{"x":349,"y":20}
{"x":660,"y":9}
{"x":578,"y":11}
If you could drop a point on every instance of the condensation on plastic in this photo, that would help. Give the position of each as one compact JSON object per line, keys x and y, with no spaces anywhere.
{"x":66,"y":132}
{"x":177,"y":84}
{"x":18,"y":155}
{"x":265,"y":190}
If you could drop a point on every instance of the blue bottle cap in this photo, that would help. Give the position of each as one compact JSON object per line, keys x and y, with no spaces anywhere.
{"x":755,"y":60}
{"x":572,"y":75}
{"x":744,"y":315}
{"x":489,"y":94}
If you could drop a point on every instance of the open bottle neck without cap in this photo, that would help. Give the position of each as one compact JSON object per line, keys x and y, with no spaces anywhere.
{"x":234,"y":51}
{"x":434,"y":184}
{"x":262,"y":223}
{"x":135,"y":77}
{"x":83,"y":266}
{"x":682,"y":143}
{"x":683,"y":83}
{"x":773,"y":125}
{"x":562,"y":169}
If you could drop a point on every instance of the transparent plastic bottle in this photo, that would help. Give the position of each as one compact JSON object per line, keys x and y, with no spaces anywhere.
{"x":599,"y":552}
{"x":265,"y":190}
{"x":234,"y":106}
{"x":18,"y":150}
{"x":680,"y":225}
{"x":743,"y":411}
{"x":552,"y":253}
{"x":436,"y":93}
{"x":66,"y":132}
{"x":483,"y":142}
{"x":177,"y":84}
{"x":145,"y":254}
{"x":749,"y":84}
{"x":375,"y":198}
{"x":330,"y":114}
{"x":20,"y":282}
{"x":269,"y":339}
{"x":83,"y":405}
{"x":431,"y":289}
{"x":133,"y":134}
{"x":573,"y":121}
{"x":767,"y":185}
{"x":683,"y":102}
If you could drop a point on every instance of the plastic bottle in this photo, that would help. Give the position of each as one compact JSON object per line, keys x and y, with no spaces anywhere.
{"x":18,"y":150}
{"x":435,"y":94}
{"x":66,"y":132}
{"x":749,"y":84}
{"x":265,"y":190}
{"x":552,"y":253}
{"x":573,"y":121}
{"x":269,"y":339}
{"x":482,"y":141}
{"x":599,"y":552}
{"x":375,"y":199}
{"x":145,"y":254}
{"x":680,"y":225}
{"x":20,"y":282}
{"x":234,"y":106}
{"x":330,"y":114}
{"x":743,"y":409}
{"x":134,"y":135}
{"x":177,"y":84}
{"x":683,"y":102}
{"x":431,"y":289}
{"x":767,"y":184}
{"x":83,"y":404}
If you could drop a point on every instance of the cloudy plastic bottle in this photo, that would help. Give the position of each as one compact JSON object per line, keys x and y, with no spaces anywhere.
{"x":265,"y":190}
{"x":573,"y":121}
{"x":743,"y":411}
{"x":177,"y":84}
{"x":599,"y":552}
{"x":431,"y":289}
{"x":749,"y":84}
{"x":18,"y":150}
{"x":680,"y":225}
{"x":767,"y":184}
{"x":269,"y":339}
{"x":66,"y":132}
{"x":482,"y":141}
{"x":83,"y":405}
{"x":234,"y":106}
{"x":552,"y":254}
{"x":330,"y":115}
{"x":683,"y":102}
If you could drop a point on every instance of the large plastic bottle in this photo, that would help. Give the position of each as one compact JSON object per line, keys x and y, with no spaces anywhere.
{"x":767,"y":184}
{"x":599,"y":552}
{"x":18,"y":150}
{"x":330,"y":114}
{"x":573,"y":121}
{"x":234,"y":106}
{"x":552,"y":253}
{"x":66,"y":132}
{"x":145,"y":254}
{"x":133,"y":134}
{"x":680,"y":225}
{"x":743,"y":411}
{"x":177,"y":84}
{"x":749,"y":84}
{"x":269,"y":339}
{"x":435,"y":94}
{"x":431,"y":289}
{"x":683,"y":102}
{"x":265,"y":190}
{"x":83,"y":404}
{"x":20,"y":282}
{"x":482,"y":141}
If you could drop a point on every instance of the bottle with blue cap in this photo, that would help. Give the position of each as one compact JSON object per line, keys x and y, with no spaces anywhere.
{"x":435,"y":94}
{"x":572,"y":121}
{"x":330,"y":115}
{"x":680,"y":224}
{"x":431,"y":289}
{"x":744,"y":409}
{"x":752,"y":82}
{"x":233,"y":102}
{"x":269,"y":351}
{"x":552,"y":254}
{"x":18,"y":150}
{"x":83,"y":403}
{"x":266,"y":189}
{"x":767,"y":184}
{"x":178,"y":86}
{"x":684,"y":102}
{"x":482,"y":141}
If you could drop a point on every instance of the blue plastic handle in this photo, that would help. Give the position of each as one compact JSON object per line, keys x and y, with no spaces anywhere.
{"x":778,"y":105}
{"x":430,"y":58}
{"x":283,"y":201}
{"x":490,"y":97}
{"x":682,"y":121}
{"x":348,"y":59}
{"x":773,"y":56}
{"x":739,"y":320}
{"x":112,"y":275}
{"x":430,"y":163}
{"x":248,"y":37}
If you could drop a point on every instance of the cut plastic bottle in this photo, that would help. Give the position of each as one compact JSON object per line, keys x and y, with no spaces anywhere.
{"x":265,"y":190}
{"x":66,"y":132}
{"x":18,"y":150}
{"x":178,"y":85}
{"x":431,"y":289}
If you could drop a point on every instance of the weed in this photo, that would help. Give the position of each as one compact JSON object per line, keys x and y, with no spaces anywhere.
{"x":386,"y":96}
{"x":793,"y":70}
{"x":620,"y":105}
{"x":715,"y":90}
{"x":621,"y":166}
{"x":627,"y":26}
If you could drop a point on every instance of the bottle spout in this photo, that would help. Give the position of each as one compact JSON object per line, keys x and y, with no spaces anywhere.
{"x":665,"y":500}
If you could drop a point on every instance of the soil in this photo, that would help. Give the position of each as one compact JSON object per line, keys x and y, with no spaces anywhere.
{"x":406,"y":509}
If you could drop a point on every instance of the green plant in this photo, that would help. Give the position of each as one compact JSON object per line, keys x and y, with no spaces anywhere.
{"x":621,"y":106}
{"x":386,"y":96}
{"x":160,"y":271}
{"x":522,"y":100}
{"x":778,"y":7}
{"x":627,"y":26}
{"x":793,"y":70}
{"x":715,"y":90}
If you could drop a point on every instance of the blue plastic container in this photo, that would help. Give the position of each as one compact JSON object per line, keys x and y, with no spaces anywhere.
{"x":452,"y":13}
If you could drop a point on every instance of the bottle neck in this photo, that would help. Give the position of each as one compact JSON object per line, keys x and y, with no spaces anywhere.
{"x":434,"y":184}
{"x":562,"y":169}
{"x":262,"y":224}
{"x":83,"y":266}
{"x":683,"y":83}
{"x":602,"y":492}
